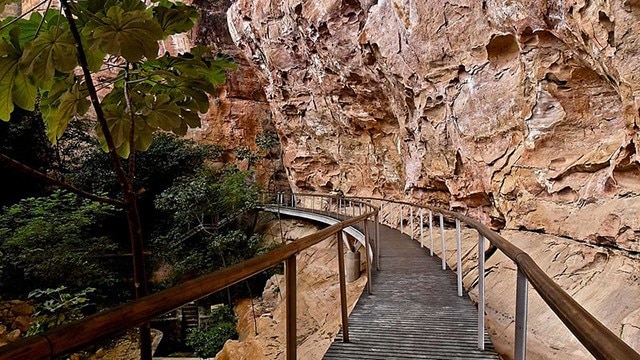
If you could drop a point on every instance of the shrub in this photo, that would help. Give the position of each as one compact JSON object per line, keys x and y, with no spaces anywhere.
{"x":57,"y":307}
{"x":55,"y":240}
{"x":209,"y":338}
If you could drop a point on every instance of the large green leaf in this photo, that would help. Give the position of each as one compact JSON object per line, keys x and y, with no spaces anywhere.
{"x":161,"y":112}
{"x":95,"y":56}
{"x":53,"y":49}
{"x":175,"y":18}
{"x":28,"y":27}
{"x":60,"y":105}
{"x":132,"y":34}
{"x":191,"y":118}
{"x":119,"y":123}
{"x":15,"y":87}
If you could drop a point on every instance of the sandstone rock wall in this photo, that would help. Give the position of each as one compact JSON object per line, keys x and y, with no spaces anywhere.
{"x":241,"y":110}
{"x":318,"y":299}
{"x":524,"y":113}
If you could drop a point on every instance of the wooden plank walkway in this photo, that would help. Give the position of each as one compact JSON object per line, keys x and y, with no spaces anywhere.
{"x":414,"y":311}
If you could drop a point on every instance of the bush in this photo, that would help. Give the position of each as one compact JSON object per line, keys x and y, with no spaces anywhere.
{"x":209,"y":338}
{"x":55,"y":240}
{"x":57,"y":307}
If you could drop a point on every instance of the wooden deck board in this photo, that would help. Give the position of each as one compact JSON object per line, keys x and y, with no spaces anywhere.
{"x":414,"y":311}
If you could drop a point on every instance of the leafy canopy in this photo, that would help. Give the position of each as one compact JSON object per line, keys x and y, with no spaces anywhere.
{"x":39,"y":59}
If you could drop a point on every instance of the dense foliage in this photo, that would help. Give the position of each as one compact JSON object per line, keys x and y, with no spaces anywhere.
{"x":23,"y":139}
{"x":209,"y":338}
{"x":57,"y":306}
{"x":167,"y":159}
{"x":53,"y":240}
{"x":146,"y":92}
{"x":200,"y":210}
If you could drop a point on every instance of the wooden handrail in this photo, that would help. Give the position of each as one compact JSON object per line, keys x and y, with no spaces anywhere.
{"x":601,"y":342}
{"x":597,"y":338}
{"x":112,"y":322}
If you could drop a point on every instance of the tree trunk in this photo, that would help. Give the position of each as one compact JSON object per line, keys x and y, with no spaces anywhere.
{"x":130,"y":199}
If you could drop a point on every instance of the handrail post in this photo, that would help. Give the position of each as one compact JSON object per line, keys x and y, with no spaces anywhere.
{"x":421,"y":228}
{"x":343,"y":289}
{"x":444,"y":261}
{"x":401,"y":220}
{"x":368,"y":262}
{"x":380,"y":211}
{"x":459,"y":257}
{"x":411,"y":214}
{"x":293,"y":201}
{"x":290,"y":325}
{"x":377,"y":220}
{"x":480,"y":291}
{"x":520,"y":351}
{"x":431,"y":232}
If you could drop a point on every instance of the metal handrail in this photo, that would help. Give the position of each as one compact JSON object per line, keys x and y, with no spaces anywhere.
{"x":596,"y":337}
{"x":73,"y":336}
{"x":601,"y":342}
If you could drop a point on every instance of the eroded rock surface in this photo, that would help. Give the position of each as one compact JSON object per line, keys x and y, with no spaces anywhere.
{"x":522,"y":112}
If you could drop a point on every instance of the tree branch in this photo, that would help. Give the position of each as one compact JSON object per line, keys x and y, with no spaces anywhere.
{"x":95,"y":101}
{"x":132,"y":128}
{"x":55,"y":182}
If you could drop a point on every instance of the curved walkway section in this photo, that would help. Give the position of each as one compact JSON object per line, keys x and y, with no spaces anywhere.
{"x":322,"y":217}
{"x":414,"y":311}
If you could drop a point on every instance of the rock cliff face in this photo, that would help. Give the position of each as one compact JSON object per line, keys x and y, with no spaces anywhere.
{"x":523,"y":113}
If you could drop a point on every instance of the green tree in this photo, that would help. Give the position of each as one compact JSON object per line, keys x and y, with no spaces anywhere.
{"x":42,"y":56}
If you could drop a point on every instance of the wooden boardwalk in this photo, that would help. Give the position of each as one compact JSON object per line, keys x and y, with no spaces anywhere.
{"x":414,"y":311}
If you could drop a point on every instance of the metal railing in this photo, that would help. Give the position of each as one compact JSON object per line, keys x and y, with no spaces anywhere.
{"x":109,"y":323}
{"x":601,"y":342}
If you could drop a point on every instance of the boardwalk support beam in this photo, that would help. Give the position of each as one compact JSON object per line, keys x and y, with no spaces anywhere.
{"x":430,"y":232}
{"x":520,"y":352}
{"x":480,"y":291}
{"x":444,"y":255}
{"x":290,"y":325}
{"x":343,"y":289}
{"x":458,"y":257}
